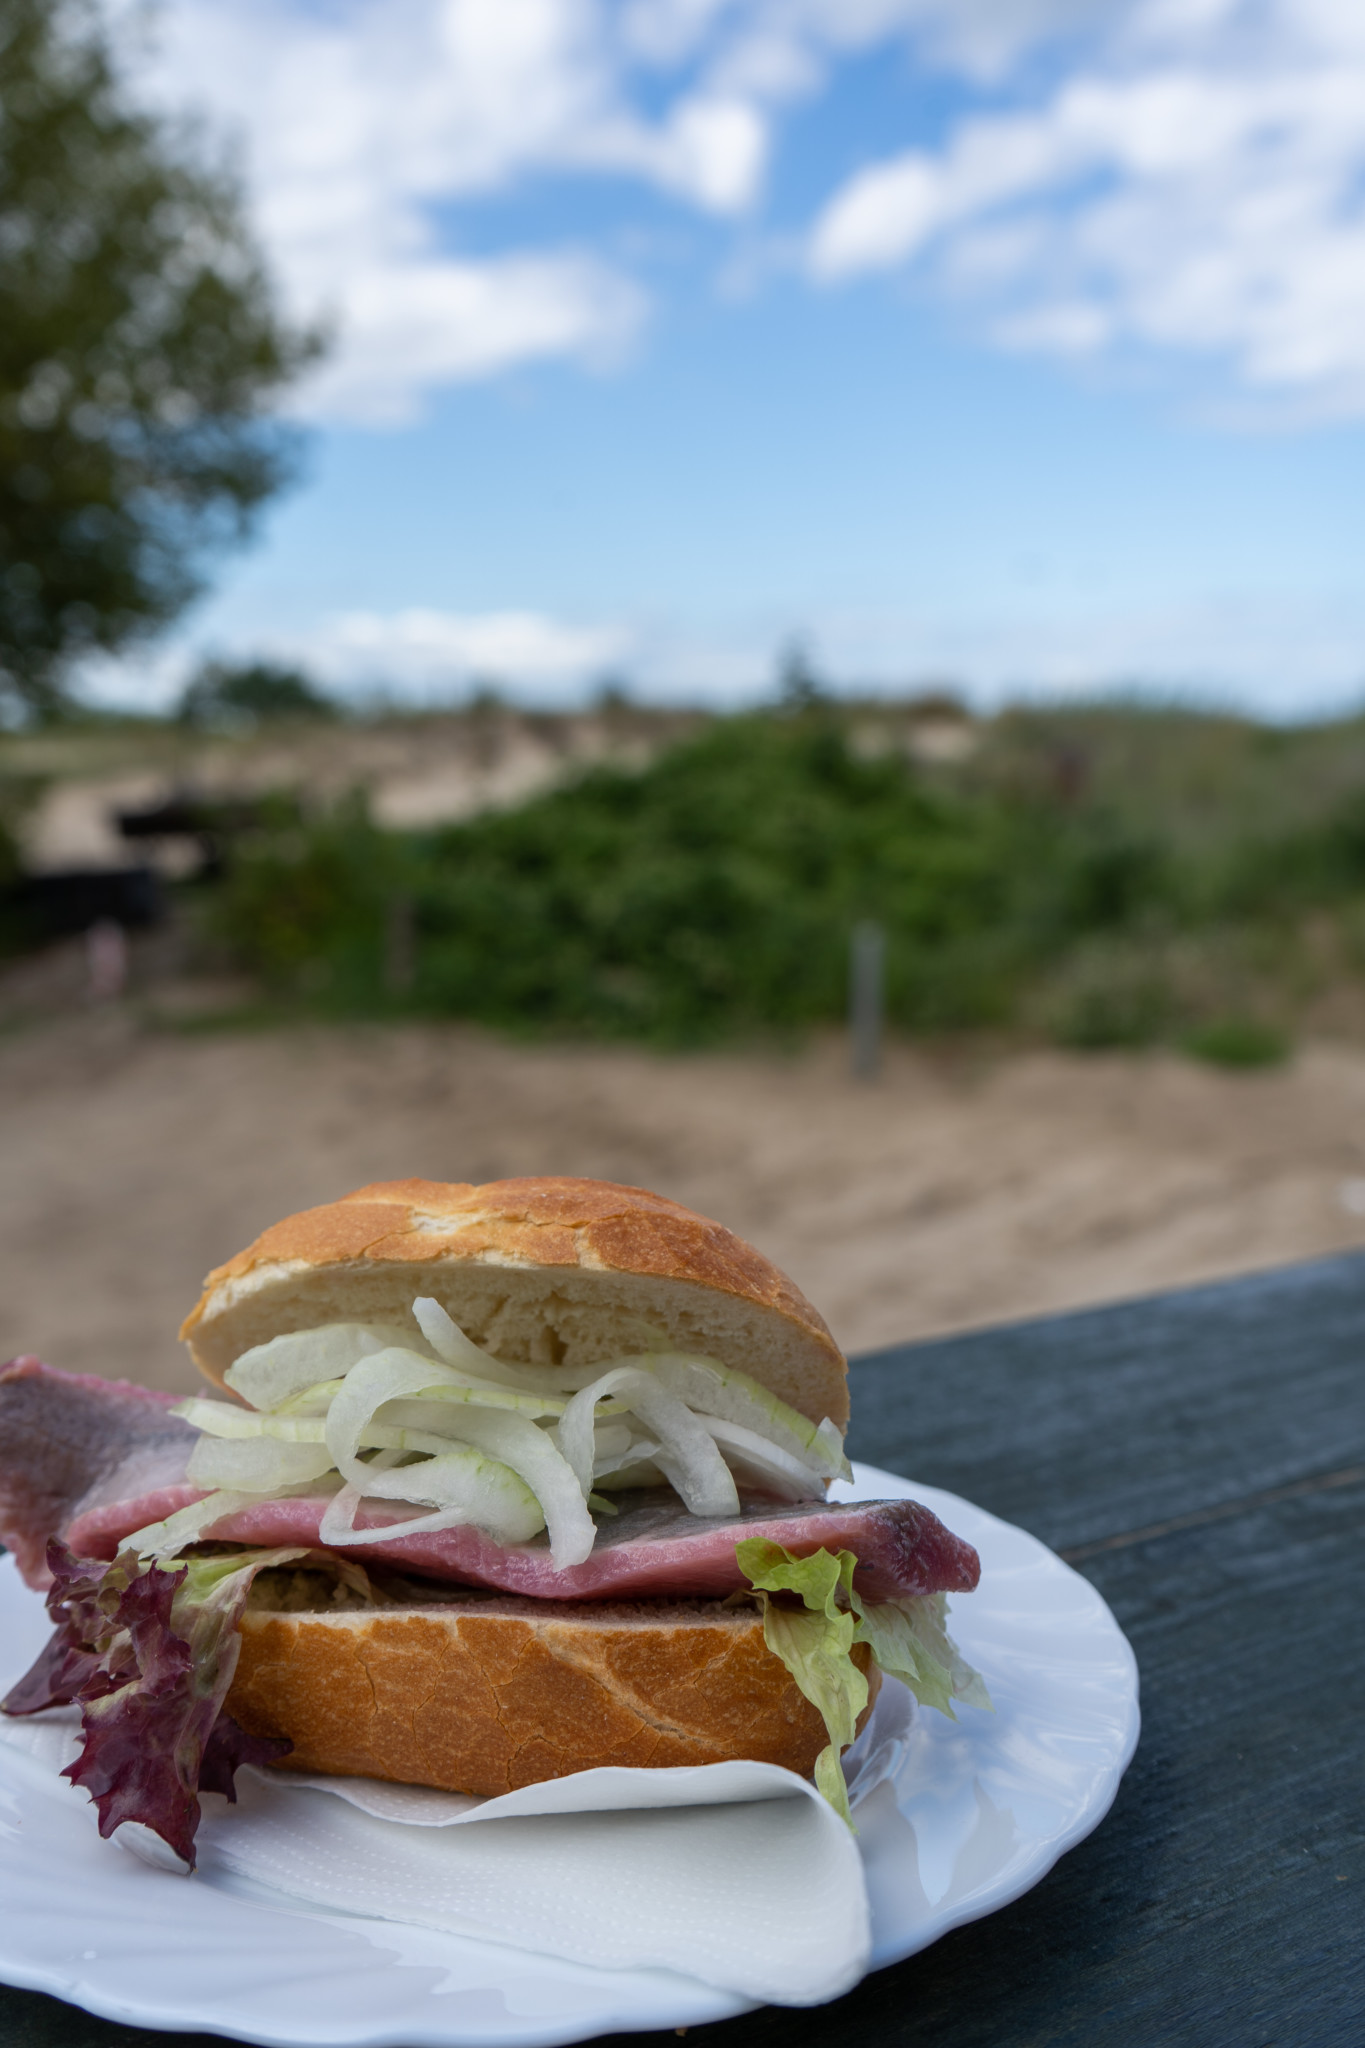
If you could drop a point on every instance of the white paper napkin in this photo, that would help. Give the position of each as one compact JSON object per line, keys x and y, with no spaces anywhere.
{"x":738,"y":1874}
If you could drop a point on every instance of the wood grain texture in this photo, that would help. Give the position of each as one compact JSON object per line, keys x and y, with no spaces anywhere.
{"x":1220,"y":1904}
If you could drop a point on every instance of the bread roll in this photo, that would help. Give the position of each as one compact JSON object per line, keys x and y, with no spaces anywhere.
{"x":546,"y":1271}
{"x":484,"y":1694}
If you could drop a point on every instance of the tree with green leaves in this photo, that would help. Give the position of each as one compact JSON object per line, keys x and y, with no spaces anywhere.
{"x":140,"y":352}
{"x":227,"y":696}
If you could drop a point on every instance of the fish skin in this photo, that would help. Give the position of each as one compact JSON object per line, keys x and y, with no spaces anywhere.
{"x":93,"y":1460}
{"x":652,"y":1549}
{"x":98,"y":1531}
{"x":72,"y":1442}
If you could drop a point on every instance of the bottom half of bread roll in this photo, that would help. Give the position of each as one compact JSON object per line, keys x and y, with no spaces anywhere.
{"x":485,"y":1693}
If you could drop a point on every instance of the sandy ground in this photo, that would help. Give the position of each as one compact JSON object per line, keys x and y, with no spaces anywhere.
{"x":951,"y":1192}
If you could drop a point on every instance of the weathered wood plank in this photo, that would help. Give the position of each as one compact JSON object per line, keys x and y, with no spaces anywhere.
{"x":1081,"y":1425}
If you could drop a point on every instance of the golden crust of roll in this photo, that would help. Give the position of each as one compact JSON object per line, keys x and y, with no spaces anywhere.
{"x":488,"y":1694}
{"x":545,"y":1271}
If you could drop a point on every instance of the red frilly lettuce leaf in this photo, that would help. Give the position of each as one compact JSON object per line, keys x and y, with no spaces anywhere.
{"x":148,"y":1654}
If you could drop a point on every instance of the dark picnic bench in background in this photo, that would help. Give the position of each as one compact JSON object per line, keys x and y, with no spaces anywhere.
{"x":1201,"y":1457}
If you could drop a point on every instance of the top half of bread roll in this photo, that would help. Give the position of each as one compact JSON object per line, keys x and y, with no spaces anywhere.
{"x":540,"y":1271}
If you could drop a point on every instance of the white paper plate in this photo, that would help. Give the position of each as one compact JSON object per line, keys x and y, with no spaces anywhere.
{"x":980,"y":1809}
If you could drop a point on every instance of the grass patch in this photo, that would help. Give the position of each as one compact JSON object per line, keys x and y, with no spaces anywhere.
{"x":1238,"y":1042}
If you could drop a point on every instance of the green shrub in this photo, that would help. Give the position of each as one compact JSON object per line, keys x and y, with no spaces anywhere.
{"x":1114,"y":1003}
{"x":305,"y":908}
{"x":232,"y":697}
{"x":1238,"y":1042}
{"x":1119,"y":878}
{"x":710,"y":893}
{"x":715,"y":891}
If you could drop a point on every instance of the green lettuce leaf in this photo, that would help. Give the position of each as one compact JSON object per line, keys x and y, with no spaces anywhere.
{"x":908,"y":1639}
{"x":814,"y":1641}
{"x":896,"y":1646}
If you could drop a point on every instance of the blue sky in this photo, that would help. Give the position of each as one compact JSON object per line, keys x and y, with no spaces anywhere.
{"x":1018,"y":343}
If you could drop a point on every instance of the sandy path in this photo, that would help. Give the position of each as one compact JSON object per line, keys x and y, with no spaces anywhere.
{"x":947,"y":1194}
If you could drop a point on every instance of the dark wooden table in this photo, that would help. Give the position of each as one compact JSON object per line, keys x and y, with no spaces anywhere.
{"x":1201,"y":1457}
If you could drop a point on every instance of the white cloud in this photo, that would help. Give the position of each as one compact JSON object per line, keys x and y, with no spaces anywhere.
{"x":1196,"y":187}
{"x":786,"y":44}
{"x":1177,"y":175}
{"x":358,"y":126}
{"x":405,"y":328}
{"x":415,"y":655}
{"x":712,"y":151}
{"x":363,"y":123}
{"x":1283,"y":655}
{"x":428,"y":652}
{"x":1272,"y":653}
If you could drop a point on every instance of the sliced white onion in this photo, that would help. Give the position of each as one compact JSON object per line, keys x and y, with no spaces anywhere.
{"x":486,"y":1492}
{"x":312,"y":1406}
{"x":164,"y":1539}
{"x":751,"y":1456}
{"x":386,"y":1376}
{"x":639,"y":1450}
{"x":406,"y":1426}
{"x":337,"y":1527}
{"x":687,"y":1455}
{"x":704,"y":1384}
{"x":386,"y":1436}
{"x":270,"y":1373}
{"x":457,"y":1387}
{"x":514,"y":1439}
{"x":221,"y":1419}
{"x":478,"y":1492}
{"x":313,"y":1401}
{"x":262,"y":1465}
{"x":485,"y":1459}
{"x":830,"y":1439}
{"x":611,"y":1440}
{"x":635,"y":1472}
{"x":533,"y":1456}
{"x":713,"y":1389}
{"x":452,"y":1347}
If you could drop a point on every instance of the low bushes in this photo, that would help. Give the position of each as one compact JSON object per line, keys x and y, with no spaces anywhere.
{"x":713,"y":892}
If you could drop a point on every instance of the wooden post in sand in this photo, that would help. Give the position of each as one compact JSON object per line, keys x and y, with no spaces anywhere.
{"x":867,"y":957}
{"x":400,"y":944}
